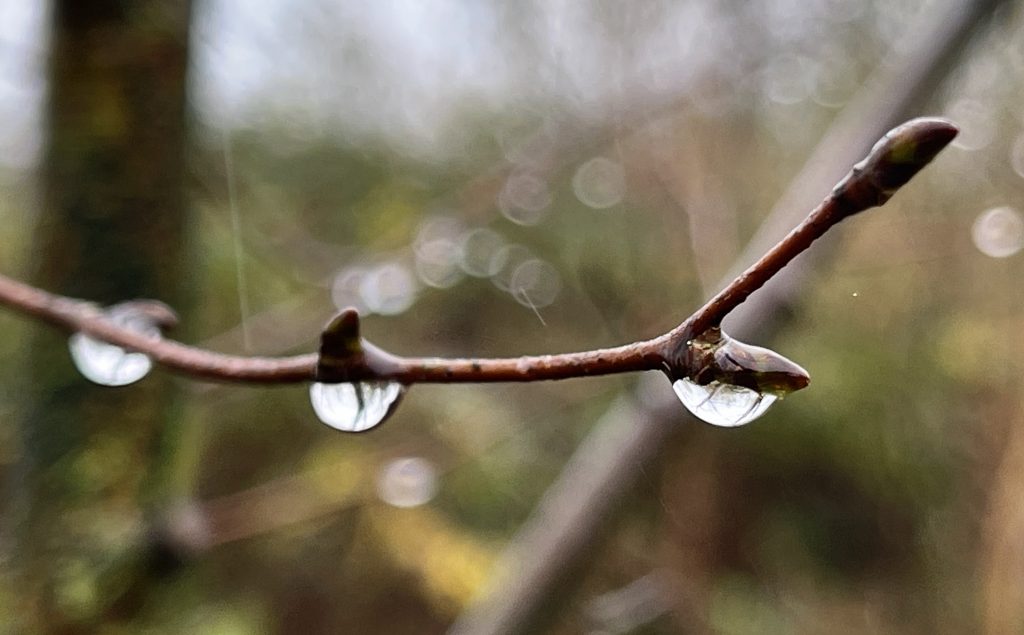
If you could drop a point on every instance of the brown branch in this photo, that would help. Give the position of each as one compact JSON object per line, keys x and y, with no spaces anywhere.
{"x":890,"y":164}
{"x":576,"y":510}
{"x":78,"y":316}
{"x":893,"y":161}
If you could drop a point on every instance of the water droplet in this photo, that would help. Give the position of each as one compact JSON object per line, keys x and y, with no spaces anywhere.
{"x":407,"y":482}
{"x":998,"y":232}
{"x":599,"y":183}
{"x":722,"y":404}
{"x":355,"y":407}
{"x":110,"y":365}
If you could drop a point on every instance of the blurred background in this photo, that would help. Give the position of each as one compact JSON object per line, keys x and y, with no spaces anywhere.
{"x":496,"y":179}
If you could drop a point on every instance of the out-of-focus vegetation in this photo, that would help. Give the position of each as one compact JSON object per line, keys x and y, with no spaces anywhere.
{"x":504,"y":178}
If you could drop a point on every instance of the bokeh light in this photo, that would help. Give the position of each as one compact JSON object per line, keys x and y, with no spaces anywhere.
{"x":998,"y":232}
{"x":407,"y":482}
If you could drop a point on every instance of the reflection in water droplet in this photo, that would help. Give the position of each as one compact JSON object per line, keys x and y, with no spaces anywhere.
{"x":110,"y":365}
{"x":998,"y":232}
{"x":722,"y":404}
{"x":599,"y":183}
{"x":407,"y":482}
{"x":354,"y":407}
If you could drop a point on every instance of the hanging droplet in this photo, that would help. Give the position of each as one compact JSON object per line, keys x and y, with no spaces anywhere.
{"x":721,"y":404}
{"x":407,"y":482}
{"x":355,"y":407}
{"x":110,"y":365}
{"x":729,"y":383}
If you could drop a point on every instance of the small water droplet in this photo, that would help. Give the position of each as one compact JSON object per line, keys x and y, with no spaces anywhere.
{"x":407,"y":482}
{"x":722,"y":404}
{"x":110,"y":365}
{"x":355,"y":407}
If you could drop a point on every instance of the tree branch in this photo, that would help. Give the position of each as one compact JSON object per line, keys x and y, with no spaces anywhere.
{"x":893,"y":161}
{"x":535,"y":574}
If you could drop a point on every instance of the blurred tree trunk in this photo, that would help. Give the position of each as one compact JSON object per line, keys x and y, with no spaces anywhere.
{"x":111,"y":229}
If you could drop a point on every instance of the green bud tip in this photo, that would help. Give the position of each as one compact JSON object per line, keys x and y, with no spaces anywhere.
{"x":907,"y":148}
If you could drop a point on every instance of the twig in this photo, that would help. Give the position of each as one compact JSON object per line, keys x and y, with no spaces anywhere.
{"x":894,"y":160}
{"x":607,"y":464}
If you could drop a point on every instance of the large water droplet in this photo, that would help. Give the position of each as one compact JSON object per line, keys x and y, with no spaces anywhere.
{"x":721,"y":404}
{"x":110,"y":365}
{"x":407,"y":482}
{"x":355,"y":407}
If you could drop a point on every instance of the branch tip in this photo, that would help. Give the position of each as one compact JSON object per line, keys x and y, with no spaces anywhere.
{"x":907,"y":148}
{"x":894,"y":160}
